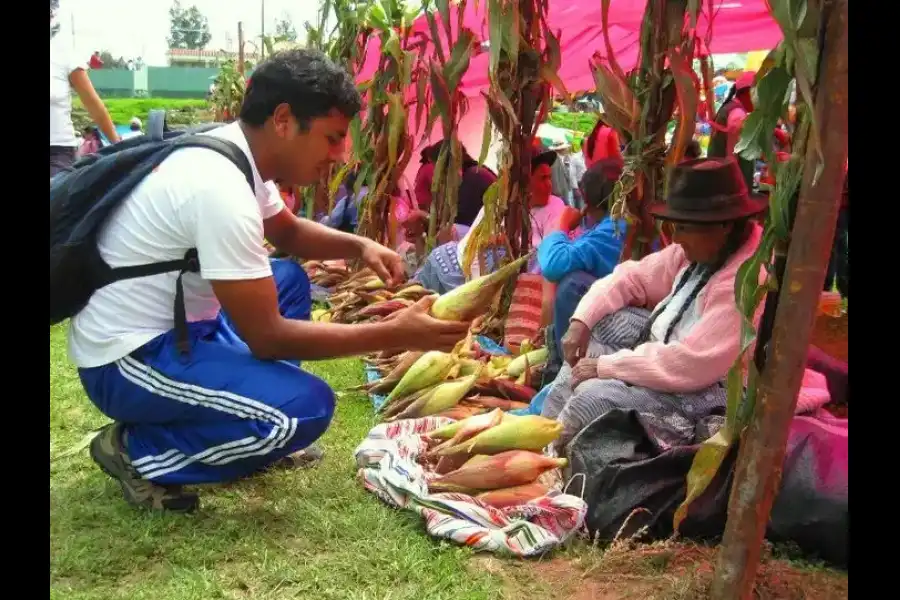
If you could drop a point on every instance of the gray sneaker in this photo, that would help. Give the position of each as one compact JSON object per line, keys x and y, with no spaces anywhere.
{"x":302,"y":459}
{"x":108,"y":452}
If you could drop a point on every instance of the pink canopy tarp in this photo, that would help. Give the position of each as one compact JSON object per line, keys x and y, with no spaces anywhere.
{"x":737,"y":26}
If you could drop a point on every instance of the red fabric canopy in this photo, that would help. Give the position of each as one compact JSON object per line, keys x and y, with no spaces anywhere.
{"x":737,"y":26}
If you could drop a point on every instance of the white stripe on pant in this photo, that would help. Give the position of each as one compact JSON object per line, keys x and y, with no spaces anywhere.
{"x":283,"y":428}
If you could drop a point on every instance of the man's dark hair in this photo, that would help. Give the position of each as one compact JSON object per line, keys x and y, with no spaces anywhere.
{"x":598,"y":181}
{"x":304,"y":79}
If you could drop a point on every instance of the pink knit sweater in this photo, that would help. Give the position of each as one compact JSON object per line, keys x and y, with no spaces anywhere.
{"x":704,"y":354}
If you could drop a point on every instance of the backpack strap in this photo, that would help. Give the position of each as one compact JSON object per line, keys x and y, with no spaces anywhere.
{"x":191,"y":262}
{"x":156,"y":124}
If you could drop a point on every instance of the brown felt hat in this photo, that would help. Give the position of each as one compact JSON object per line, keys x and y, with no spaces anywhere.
{"x":708,"y":190}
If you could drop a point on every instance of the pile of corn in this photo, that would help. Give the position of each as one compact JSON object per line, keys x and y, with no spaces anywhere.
{"x":495,"y":457}
{"x":362,"y":297}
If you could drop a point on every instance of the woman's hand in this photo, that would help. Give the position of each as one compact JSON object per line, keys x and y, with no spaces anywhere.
{"x":584,"y":370}
{"x":575,"y":342}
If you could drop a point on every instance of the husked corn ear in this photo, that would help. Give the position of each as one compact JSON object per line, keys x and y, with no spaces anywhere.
{"x":527,"y":432}
{"x":527,"y":361}
{"x":477,"y":459}
{"x":441,"y":397}
{"x":513,"y":496}
{"x":494,"y":402}
{"x":471,"y":427}
{"x":448,"y":431}
{"x":507,"y":469}
{"x":473,"y":298}
{"x":429,"y":369}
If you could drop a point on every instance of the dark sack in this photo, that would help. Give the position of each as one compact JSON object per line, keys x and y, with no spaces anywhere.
{"x":631,"y":471}
{"x":84,"y":196}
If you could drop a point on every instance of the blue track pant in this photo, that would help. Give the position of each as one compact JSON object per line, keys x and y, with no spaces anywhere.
{"x":222,"y":414}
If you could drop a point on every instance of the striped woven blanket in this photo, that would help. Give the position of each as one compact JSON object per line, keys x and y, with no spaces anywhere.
{"x":388,"y":468}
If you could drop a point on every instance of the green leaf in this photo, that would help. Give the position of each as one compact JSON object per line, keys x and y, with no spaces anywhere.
{"x":497,"y":27}
{"x":486,"y":139}
{"x":396,"y":125}
{"x":693,"y":9}
{"x":443,"y":7}
{"x":437,"y":45}
{"x":458,"y":63}
{"x":773,"y":93}
{"x":421,"y":98}
{"x":704,"y":467}
{"x":376,"y":17}
{"x":788,"y":176}
{"x":440,"y":93}
{"x":336,"y":182}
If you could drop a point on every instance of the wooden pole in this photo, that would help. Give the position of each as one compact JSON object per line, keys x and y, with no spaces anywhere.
{"x":758,"y":473}
{"x":240,"y":65}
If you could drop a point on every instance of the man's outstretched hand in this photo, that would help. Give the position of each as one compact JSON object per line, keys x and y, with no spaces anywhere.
{"x":418,"y":330}
{"x":386,"y":263}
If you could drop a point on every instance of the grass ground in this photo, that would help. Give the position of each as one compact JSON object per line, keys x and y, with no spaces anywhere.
{"x":181,"y":111}
{"x":317,"y":534}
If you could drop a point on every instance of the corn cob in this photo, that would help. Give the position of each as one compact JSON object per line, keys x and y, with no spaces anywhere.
{"x":448,"y":431}
{"x":387,"y":383}
{"x":390,"y":409}
{"x":413,"y":292}
{"x":513,"y":496}
{"x":471,"y":427}
{"x":461,"y":412}
{"x":528,"y":432}
{"x":441,"y":397}
{"x":507,"y":469}
{"x":473,"y":298}
{"x":495,"y":402}
{"x":477,"y":459}
{"x":447,"y":464}
{"x":383,"y":308}
{"x":525,"y":361}
{"x":514,"y":391}
{"x":429,"y":369}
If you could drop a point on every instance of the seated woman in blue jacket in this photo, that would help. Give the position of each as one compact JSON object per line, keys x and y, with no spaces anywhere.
{"x":574,"y":264}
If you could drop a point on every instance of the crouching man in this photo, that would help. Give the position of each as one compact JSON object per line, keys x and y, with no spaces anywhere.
{"x":222,"y":402}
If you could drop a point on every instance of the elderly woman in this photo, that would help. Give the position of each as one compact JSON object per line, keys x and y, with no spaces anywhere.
{"x":659,"y":335}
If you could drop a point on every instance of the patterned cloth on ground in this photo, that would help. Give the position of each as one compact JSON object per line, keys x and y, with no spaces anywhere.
{"x":388,"y":468}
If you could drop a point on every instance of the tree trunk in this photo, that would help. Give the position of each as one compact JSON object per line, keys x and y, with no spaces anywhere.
{"x":758,"y":472}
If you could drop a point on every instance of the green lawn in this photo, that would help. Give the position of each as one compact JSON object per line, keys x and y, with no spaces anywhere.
{"x":316,"y":534}
{"x":301,"y":534}
{"x":181,"y":111}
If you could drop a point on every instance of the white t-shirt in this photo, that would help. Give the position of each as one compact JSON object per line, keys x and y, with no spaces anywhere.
{"x":544,"y":220}
{"x":195,"y":199}
{"x":62,"y":64}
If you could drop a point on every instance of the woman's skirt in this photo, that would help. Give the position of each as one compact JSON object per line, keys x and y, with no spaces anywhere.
{"x":577,"y":408}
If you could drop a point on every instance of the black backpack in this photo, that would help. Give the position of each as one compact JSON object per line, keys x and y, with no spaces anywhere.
{"x":84,"y":196}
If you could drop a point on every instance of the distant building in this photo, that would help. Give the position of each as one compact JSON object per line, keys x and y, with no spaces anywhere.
{"x":179,"y":57}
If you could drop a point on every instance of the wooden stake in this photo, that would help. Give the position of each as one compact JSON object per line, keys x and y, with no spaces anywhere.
{"x":758,"y":473}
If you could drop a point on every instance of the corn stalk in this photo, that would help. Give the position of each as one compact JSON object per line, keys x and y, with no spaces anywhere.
{"x":383,"y":145}
{"x":228,"y":93}
{"x":446,"y":68}
{"x":344,"y":44}
{"x":796,"y":58}
{"x":524,"y":62}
